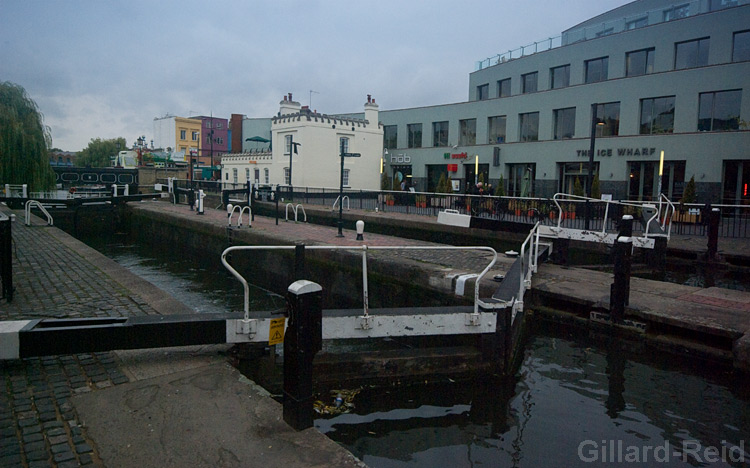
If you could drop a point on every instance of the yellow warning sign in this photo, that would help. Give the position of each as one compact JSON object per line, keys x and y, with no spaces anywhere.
{"x":276,"y":331}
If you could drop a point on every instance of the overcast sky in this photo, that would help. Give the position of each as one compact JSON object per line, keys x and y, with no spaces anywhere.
{"x":108,"y":68}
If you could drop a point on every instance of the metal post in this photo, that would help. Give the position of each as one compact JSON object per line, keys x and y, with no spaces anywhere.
{"x":299,"y":262}
{"x":590,"y":175}
{"x":276,"y":198}
{"x":6,"y":257}
{"x":303,"y":339}
{"x":714,"y":217}
{"x":341,"y":195}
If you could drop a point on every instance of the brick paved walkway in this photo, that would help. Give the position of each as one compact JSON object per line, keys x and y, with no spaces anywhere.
{"x":38,"y":425}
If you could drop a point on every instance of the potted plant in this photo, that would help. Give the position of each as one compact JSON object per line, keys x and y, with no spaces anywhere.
{"x":389,"y":200}
{"x":578,"y":192}
{"x":686,"y":214}
{"x":421,"y":201}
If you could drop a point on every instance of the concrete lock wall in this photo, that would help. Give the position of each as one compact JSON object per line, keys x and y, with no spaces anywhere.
{"x":338,"y":272}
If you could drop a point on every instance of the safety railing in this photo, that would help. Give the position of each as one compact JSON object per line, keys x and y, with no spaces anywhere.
{"x":529,"y":266}
{"x":36,"y":204}
{"x":657,"y":216}
{"x":295,"y":210}
{"x":364,"y":249}
{"x":338,"y":199}
{"x":231,"y":209}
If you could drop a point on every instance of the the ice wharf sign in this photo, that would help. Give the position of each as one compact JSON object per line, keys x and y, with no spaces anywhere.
{"x":609,"y":152}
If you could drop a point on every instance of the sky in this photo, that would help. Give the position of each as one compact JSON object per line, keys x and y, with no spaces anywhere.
{"x":106,"y":69}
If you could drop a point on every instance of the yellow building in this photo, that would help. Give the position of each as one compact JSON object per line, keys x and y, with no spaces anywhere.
{"x":187,"y":136}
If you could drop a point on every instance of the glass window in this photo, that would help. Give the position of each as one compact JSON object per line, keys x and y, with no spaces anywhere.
{"x":468,"y":132}
{"x":639,"y":62}
{"x":345,"y":176}
{"x":719,"y":111}
{"x":503,"y":88}
{"x":521,"y":178}
{"x":565,"y":123}
{"x":636,"y":23}
{"x":596,"y":69}
{"x":415,"y":135}
{"x":676,"y":12}
{"x":609,"y":115}
{"x":496,"y":129}
{"x":721,"y":4}
{"x":257,"y":175}
{"x":528,"y":125}
{"x":483,"y":92}
{"x":440,"y":133}
{"x":741,"y":46}
{"x":247,"y":174}
{"x":287,"y":144}
{"x":286,"y":176}
{"x":657,"y":115}
{"x":266,"y":176}
{"x":560,"y":77}
{"x":194,"y":136}
{"x":529,"y":82}
{"x":182,"y":134}
{"x":234,"y":175}
{"x":344,"y":144}
{"x":390,"y":136}
{"x":691,"y":54}
{"x":605,"y":32}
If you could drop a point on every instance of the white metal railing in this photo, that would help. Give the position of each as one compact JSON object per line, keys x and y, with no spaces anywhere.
{"x":663,"y":212}
{"x":295,"y":210}
{"x":336,"y":202}
{"x":528,"y":267}
{"x":364,"y":249}
{"x":16,"y":190}
{"x":36,"y":204}
{"x":241,"y":210}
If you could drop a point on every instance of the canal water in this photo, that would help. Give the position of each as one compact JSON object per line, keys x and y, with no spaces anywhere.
{"x":577,"y":399}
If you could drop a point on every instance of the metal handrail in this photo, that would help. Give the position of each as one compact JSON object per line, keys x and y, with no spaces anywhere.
{"x":241,"y":210}
{"x":295,"y":209}
{"x":364,"y":249}
{"x":37,"y":204}
{"x":345,"y":199}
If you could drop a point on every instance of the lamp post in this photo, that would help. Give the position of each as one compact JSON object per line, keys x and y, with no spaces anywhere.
{"x":590,"y":176}
{"x":341,"y":187}
{"x":292,"y":149}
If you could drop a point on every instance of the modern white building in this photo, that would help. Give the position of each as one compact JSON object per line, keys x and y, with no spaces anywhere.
{"x":660,"y":76}
{"x":309,"y":145}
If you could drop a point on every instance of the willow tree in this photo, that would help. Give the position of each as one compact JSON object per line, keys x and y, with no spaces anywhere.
{"x":24,"y":141}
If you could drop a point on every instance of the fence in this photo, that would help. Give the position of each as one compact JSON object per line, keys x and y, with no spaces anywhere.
{"x":689,"y":219}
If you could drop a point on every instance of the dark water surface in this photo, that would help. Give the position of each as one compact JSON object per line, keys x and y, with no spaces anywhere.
{"x":576,"y":400}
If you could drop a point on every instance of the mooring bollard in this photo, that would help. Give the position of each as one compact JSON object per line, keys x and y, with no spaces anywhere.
{"x":713,"y":234}
{"x":303,"y":339}
{"x":199,"y":202}
{"x":360,"y":229}
{"x":619,"y":291}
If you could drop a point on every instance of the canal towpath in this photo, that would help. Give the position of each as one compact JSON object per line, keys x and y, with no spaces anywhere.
{"x":169,"y":407}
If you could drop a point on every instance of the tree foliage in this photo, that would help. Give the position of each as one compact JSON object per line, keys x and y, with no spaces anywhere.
{"x":500,"y":189}
{"x":24,"y":141}
{"x":596,"y":189}
{"x":688,"y":195}
{"x":99,"y":152}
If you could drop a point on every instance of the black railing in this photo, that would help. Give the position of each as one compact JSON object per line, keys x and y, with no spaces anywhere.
{"x":6,"y":257}
{"x":688,"y":219}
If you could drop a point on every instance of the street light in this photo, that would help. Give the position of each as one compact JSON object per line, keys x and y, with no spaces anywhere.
{"x":341,"y":187}
{"x":590,"y":176}
{"x":292,"y":149}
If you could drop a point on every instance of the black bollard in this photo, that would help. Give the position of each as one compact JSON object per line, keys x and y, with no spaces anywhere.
{"x":714,"y":217}
{"x":303,"y":338}
{"x":619,"y":291}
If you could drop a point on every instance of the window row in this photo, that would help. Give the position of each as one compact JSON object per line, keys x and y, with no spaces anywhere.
{"x":687,"y":54}
{"x":717,"y":111}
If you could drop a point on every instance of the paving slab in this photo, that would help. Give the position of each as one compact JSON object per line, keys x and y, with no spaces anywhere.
{"x":203,"y":417}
